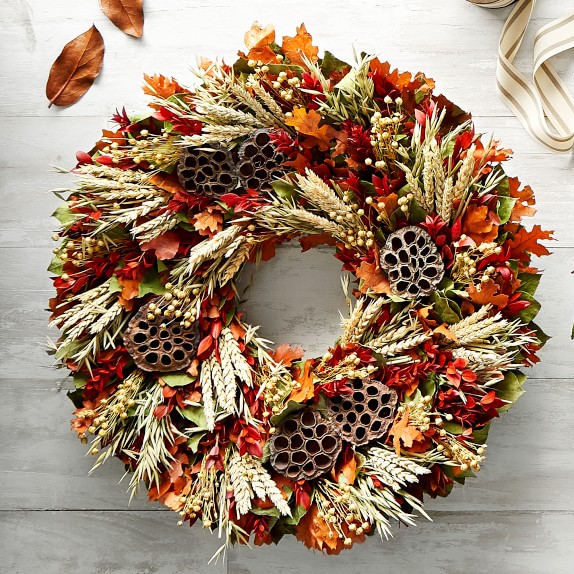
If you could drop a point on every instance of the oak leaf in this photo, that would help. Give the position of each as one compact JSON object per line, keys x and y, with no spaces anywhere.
{"x":524,"y":199}
{"x":372,"y":278}
{"x":208,"y":223}
{"x":160,"y":86}
{"x":307,"y":123}
{"x":487,"y":294}
{"x":257,"y":41}
{"x":401,"y":431}
{"x":307,"y":389}
{"x":127,"y":15}
{"x":309,"y":241}
{"x":300,"y":46}
{"x":165,"y":245}
{"x":480,"y":224}
{"x":76,"y":68}
{"x":286,"y":354}
{"x":525,"y":242}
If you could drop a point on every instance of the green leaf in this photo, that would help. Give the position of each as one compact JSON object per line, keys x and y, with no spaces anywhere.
{"x":480,"y":435}
{"x":195,"y":414}
{"x":273,"y":511}
{"x":503,"y":188}
{"x":177,"y":379}
{"x":193,"y":442}
{"x":56,"y":266}
{"x":504,"y":208}
{"x":453,"y":427}
{"x":291,"y":408}
{"x":151,"y":283}
{"x":330,"y":64}
{"x":447,"y":310}
{"x":115,"y":285}
{"x":161,"y":266}
{"x":77,"y":397}
{"x":529,"y":282}
{"x":296,"y":515}
{"x":510,"y":388}
{"x":284,"y":189}
{"x":540,"y":334}
{"x":80,"y":380}
{"x":64,"y":215}
{"x":532,"y":310}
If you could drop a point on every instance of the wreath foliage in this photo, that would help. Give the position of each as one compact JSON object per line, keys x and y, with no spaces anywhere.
{"x":256,"y":442}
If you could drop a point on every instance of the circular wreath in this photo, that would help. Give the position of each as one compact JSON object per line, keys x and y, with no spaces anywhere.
{"x":256,"y":442}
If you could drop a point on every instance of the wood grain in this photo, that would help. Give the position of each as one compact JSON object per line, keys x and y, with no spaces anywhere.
{"x":517,"y":517}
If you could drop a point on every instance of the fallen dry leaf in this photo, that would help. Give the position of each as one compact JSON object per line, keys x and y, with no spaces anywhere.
{"x":127,"y":15}
{"x":76,"y":68}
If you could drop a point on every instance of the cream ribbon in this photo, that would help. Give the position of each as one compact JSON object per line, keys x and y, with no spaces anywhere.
{"x":547,"y":93}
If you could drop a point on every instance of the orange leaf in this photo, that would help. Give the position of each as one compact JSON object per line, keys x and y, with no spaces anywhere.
{"x":208,"y":223}
{"x":446,"y":332}
{"x":76,"y":68}
{"x":131,"y":287}
{"x":160,"y":86}
{"x":480,"y":224}
{"x":307,"y":123}
{"x":310,"y":241}
{"x":372,"y":278}
{"x":258,"y":40}
{"x":524,"y":199}
{"x":390,"y":203}
{"x":165,"y":245}
{"x":307,"y":389}
{"x":300,"y":45}
{"x":486,"y":293}
{"x":348,"y":470}
{"x":286,"y":354}
{"x":402,"y":432}
{"x":167,"y":182}
{"x":525,"y":242}
{"x":127,"y":15}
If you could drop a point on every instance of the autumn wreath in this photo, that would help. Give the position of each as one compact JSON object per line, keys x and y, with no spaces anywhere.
{"x":170,"y":377}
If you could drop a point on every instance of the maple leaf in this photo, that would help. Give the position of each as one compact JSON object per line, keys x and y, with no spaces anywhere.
{"x":480,"y":224}
{"x":307,"y":123}
{"x":160,"y":86}
{"x":372,"y":278}
{"x":307,"y":389}
{"x":309,"y":241}
{"x":257,"y":41}
{"x":299,"y":46}
{"x":165,"y":245}
{"x":524,"y":199}
{"x":286,"y":354}
{"x":208,"y":223}
{"x":401,"y":431}
{"x":486,"y":294}
{"x":525,"y":242}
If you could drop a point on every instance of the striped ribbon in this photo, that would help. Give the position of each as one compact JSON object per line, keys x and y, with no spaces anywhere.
{"x":546,"y":95}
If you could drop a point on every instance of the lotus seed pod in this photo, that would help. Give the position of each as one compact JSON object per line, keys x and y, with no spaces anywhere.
{"x":412,"y":262}
{"x":367,"y":413}
{"x":305,"y":446}
{"x":207,"y":171}
{"x":259,"y":161}
{"x":154,"y":348}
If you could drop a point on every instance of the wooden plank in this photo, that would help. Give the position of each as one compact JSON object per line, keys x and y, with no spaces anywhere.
{"x":473,"y":543}
{"x":103,"y":542}
{"x":44,"y":466}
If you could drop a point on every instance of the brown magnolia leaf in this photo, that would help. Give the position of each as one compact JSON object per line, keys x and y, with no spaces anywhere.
{"x":127,"y":15}
{"x":76,"y":68}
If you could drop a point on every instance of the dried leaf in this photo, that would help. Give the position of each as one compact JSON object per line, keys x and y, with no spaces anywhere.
{"x":161,"y":87}
{"x":401,"y":431}
{"x":286,"y":354}
{"x":165,"y":246}
{"x":524,"y":197}
{"x":208,"y":223}
{"x":76,"y":68}
{"x":309,"y":241}
{"x":305,"y":379}
{"x":127,"y":15}
{"x":307,"y":123}
{"x":525,"y":242}
{"x":487,"y":294}
{"x":480,"y":224}
{"x":130,"y":287}
{"x":372,"y":278}
{"x":300,"y":46}
{"x":258,"y":40}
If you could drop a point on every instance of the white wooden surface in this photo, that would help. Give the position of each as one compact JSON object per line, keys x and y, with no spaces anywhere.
{"x":518,"y":517}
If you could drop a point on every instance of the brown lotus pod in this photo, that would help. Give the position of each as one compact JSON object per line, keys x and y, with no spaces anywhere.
{"x":210,"y":172}
{"x":412,"y":262}
{"x":305,"y":446}
{"x":367,"y":413}
{"x":259,"y":161}
{"x":155,"y":346}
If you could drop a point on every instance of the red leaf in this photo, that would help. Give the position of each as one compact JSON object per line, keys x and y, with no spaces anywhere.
{"x":310,"y":241}
{"x":76,"y":68}
{"x":286,"y":354}
{"x":165,"y":246}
